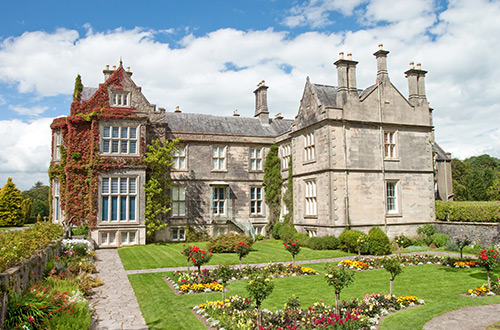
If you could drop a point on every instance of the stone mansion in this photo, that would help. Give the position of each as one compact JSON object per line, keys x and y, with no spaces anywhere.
{"x":360,"y":158}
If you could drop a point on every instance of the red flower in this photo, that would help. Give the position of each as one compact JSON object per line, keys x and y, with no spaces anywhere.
{"x":210,"y":251}
{"x":483,"y":251}
{"x":293,"y":243}
{"x":31,"y":319}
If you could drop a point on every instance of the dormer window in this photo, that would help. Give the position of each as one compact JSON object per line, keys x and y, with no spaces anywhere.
{"x":120,"y":99}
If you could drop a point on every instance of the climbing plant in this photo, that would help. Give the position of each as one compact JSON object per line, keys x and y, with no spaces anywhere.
{"x":77,"y":94}
{"x":288,"y":196}
{"x":272,"y":186}
{"x":159,"y":161}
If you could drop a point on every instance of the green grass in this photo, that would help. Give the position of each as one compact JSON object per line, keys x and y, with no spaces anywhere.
{"x":160,"y":255}
{"x":439,"y":286}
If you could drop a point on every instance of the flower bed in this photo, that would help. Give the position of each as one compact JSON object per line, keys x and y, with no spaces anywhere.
{"x":481,"y":291}
{"x":239,"y":313}
{"x":355,"y":264}
{"x":207,"y":280}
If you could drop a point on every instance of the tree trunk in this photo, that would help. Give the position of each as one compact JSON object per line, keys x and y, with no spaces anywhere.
{"x":390,"y":286}
{"x":258,"y":317}
{"x":293,"y":260}
{"x":489,"y":279}
{"x":337,"y":310}
{"x":188,"y":266}
{"x":240,"y":264}
{"x":223,"y":293}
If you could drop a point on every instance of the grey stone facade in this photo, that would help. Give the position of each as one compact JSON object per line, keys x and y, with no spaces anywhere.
{"x":361,"y":158}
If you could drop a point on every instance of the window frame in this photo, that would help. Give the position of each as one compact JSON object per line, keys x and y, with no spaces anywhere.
{"x":256,"y":204}
{"x":177,"y":231}
{"x":128,"y":233}
{"x":56,"y":200}
{"x":177,"y":202}
{"x":177,"y":155}
{"x":58,"y":141}
{"x":111,"y":200}
{"x":107,"y":143}
{"x":285,"y":153}
{"x":217,"y":200}
{"x":309,"y":147}
{"x":310,"y":198}
{"x":119,"y":99}
{"x":392,"y":198}
{"x":257,"y":159}
{"x":218,"y":157}
{"x":390,"y":140}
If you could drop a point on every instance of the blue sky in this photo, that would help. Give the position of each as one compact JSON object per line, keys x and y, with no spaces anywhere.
{"x":208,"y":56}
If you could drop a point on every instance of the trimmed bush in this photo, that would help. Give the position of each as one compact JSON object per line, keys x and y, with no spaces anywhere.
{"x":225,"y":243}
{"x":440,"y":240}
{"x":321,"y":243}
{"x":379,"y":243}
{"x":348,"y":241}
{"x":283,"y":231}
{"x":468,"y":211}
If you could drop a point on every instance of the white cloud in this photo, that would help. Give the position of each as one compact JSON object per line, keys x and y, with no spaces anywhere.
{"x":456,"y":47}
{"x":29,"y":111}
{"x":25,"y":152}
{"x":398,"y":11}
{"x":316,"y":13}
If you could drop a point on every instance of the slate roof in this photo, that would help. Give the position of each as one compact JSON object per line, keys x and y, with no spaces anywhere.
{"x":328,"y":94}
{"x":87,"y":92}
{"x":441,"y":155}
{"x":241,"y":126}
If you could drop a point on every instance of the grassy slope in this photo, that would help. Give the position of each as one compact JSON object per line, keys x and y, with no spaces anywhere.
{"x":161,"y":255}
{"x":439,"y":286}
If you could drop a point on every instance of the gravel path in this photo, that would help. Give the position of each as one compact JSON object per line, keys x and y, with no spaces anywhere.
{"x":476,"y":317}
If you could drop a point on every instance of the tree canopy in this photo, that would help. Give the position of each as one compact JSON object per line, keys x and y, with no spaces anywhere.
{"x":476,"y":178}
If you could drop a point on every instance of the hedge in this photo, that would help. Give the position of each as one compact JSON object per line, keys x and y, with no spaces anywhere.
{"x":468,"y":211}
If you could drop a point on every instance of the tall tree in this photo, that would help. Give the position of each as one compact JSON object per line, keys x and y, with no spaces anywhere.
{"x":39,"y":196}
{"x":77,"y":93}
{"x":159,"y":161}
{"x":11,"y":213}
{"x":272,"y":186}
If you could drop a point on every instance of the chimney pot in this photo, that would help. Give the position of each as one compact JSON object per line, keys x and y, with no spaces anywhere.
{"x":107,"y":67}
{"x":349,"y":56}
{"x":114,"y":67}
{"x":380,"y":46}
{"x":235,"y":113}
{"x":128,"y":69}
{"x":177,"y":109}
{"x":341,"y":54}
{"x":278,"y":116}
{"x":419,"y":66}
{"x":412,"y":65}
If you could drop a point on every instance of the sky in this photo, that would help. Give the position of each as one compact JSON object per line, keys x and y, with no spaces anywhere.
{"x":208,"y":56}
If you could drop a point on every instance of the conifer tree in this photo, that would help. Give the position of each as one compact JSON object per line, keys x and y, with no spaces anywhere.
{"x":77,"y":93}
{"x":272,"y":186}
{"x":11,"y":213}
{"x":26,"y":206}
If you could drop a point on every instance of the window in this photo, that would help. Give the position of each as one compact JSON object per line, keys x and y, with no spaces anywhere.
{"x":178,"y":234}
{"x":57,"y":144}
{"x":311,"y":232}
{"x":219,"y":195}
{"x":256,"y":200}
{"x":392,"y":196}
{"x":179,"y":159}
{"x":285,"y":156}
{"x":119,"y":140}
{"x":57,"y":202}
{"x":259,"y":230}
{"x":255,"y":159}
{"x":119,"y":199}
{"x":219,"y":158}
{"x":284,"y":208}
{"x":309,"y":147}
{"x":108,"y":238}
{"x":120,"y":99}
{"x":311,"y":202}
{"x":128,"y":237}
{"x":178,"y":201}
{"x":390,"y":145}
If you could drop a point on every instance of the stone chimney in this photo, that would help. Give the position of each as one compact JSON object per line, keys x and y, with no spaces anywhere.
{"x":107,"y":72}
{"x":416,"y":84}
{"x":261,"y":109}
{"x":346,"y":77}
{"x":236,"y":113}
{"x":177,"y":109}
{"x":381,"y":56}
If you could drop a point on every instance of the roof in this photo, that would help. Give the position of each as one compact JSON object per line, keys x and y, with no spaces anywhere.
{"x":234,"y":125}
{"x":441,"y":154}
{"x":87,"y":92}
{"x":327,"y":95}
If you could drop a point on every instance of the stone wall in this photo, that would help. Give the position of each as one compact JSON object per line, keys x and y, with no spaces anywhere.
{"x":485,"y":234}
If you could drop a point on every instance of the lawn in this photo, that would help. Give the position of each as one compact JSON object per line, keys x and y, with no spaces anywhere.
{"x":439,"y":286}
{"x":160,"y":255}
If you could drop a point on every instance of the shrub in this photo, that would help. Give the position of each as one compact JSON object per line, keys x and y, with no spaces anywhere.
{"x":80,"y":230}
{"x":403,"y":241}
{"x":425,"y":233}
{"x":196,"y":234}
{"x":283,"y":231}
{"x":348,"y":240}
{"x":225,"y":243}
{"x":452,"y":246}
{"x":378,"y":242}
{"x":440,"y":240}
{"x":200,"y":257}
{"x":339,"y":278}
{"x":363,"y":244}
{"x":468,"y":211}
{"x":321,"y":243}
{"x":292,"y":246}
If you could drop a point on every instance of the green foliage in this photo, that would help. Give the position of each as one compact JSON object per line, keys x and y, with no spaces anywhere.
{"x":425,"y":233}
{"x":462,"y":241}
{"x":194,"y":234}
{"x":224,"y":273}
{"x":403,"y":241}
{"x":200,"y":257}
{"x":77,"y":93}
{"x":468,"y":211}
{"x":242,"y":249}
{"x":259,"y":289}
{"x":348,"y":240}
{"x":227,"y":242}
{"x":292,"y":246}
{"x":288,"y":197}
{"x":378,"y":242}
{"x":320,"y":243}
{"x":159,"y":160}
{"x":474,"y":178}
{"x":26,"y":208}
{"x":18,"y":245}
{"x":272,"y":186}
{"x":393,"y":266}
{"x":282,"y":230}
{"x":363,"y":244}
{"x":80,"y":230}
{"x":339,"y":278}
{"x":11,"y":213}
{"x":440,"y":240}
